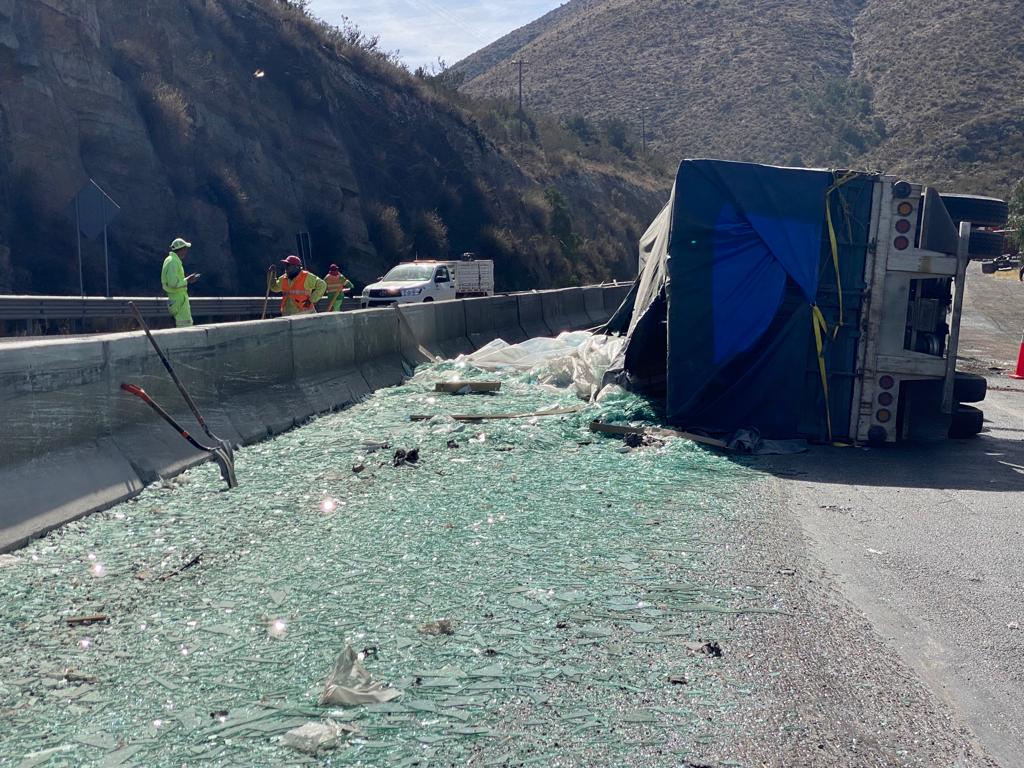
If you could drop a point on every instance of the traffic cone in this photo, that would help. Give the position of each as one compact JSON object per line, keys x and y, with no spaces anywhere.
{"x":1019,"y":373}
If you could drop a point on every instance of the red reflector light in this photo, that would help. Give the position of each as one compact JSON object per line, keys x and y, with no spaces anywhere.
{"x":883,"y":416}
{"x":885,"y":399}
{"x":901,"y":243}
{"x":905,"y":209}
{"x":903,"y":226}
{"x":887,"y":382}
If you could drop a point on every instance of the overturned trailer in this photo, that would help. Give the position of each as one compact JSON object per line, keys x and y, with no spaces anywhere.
{"x":806,"y":303}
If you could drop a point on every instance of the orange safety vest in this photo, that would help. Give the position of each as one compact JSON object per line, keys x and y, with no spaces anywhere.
{"x":335,"y":283}
{"x":296,"y":291}
{"x":336,"y":288}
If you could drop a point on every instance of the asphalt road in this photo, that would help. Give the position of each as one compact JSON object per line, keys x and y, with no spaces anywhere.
{"x":927,"y":540}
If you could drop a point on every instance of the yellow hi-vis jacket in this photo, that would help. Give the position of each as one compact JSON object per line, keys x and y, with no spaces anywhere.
{"x":172,"y":276}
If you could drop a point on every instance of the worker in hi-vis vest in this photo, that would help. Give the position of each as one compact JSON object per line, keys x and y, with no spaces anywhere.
{"x":337,"y":286}
{"x":300,"y":290}
{"x":175,"y":283}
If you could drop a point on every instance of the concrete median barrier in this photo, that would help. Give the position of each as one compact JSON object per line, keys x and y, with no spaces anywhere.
{"x":493,"y":317}
{"x":324,"y":355}
{"x":565,"y":310}
{"x":439,"y":327}
{"x":593,"y":303}
{"x":375,"y":333}
{"x":614,"y":295}
{"x":531,"y":315}
{"x":45,"y":492}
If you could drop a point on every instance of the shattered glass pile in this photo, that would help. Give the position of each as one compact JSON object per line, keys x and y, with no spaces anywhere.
{"x":531,"y":589}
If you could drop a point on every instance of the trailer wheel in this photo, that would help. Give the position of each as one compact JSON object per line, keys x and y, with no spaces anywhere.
{"x":986,"y":244}
{"x":980,"y":211}
{"x":967,"y":422}
{"x":969,"y":388}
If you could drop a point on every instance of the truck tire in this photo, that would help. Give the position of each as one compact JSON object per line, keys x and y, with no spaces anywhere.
{"x":969,"y":388}
{"x":967,"y":422}
{"x":980,"y":211}
{"x":989,"y":267}
{"x":986,"y":244}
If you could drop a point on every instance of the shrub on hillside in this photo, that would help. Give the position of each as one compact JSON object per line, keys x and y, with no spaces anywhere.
{"x":384,"y":226}
{"x":430,"y":237}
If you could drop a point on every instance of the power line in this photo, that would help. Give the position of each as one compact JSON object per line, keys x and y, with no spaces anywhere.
{"x":449,"y":17}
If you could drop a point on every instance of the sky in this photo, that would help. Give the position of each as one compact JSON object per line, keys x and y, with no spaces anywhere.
{"x":425,"y":30}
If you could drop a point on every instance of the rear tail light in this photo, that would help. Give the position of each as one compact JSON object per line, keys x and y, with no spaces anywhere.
{"x":887,"y":382}
{"x":903,"y":226}
{"x":901,"y":189}
{"x":901,"y":243}
{"x":883,"y":416}
{"x":885,"y":399}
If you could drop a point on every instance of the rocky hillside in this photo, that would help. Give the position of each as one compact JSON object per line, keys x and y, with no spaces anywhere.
{"x":237,"y":123}
{"x":929,"y":88}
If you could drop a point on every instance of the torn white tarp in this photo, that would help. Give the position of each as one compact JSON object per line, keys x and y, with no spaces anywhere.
{"x":574,"y":359}
{"x":349,"y":684}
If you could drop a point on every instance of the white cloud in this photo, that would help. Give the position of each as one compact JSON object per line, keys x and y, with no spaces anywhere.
{"x":425,"y":30}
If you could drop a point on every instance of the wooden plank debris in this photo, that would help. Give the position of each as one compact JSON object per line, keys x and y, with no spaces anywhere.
{"x":501,"y":416}
{"x":614,"y":429}
{"x":467,"y":387}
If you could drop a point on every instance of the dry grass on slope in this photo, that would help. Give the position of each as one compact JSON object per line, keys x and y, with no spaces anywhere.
{"x":930,"y":88}
{"x":947,"y":79}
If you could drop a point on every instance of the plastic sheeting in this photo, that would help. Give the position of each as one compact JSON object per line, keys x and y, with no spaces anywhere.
{"x":572,"y":576}
{"x":576,"y":360}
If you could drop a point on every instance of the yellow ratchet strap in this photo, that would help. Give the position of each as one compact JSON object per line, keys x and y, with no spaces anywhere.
{"x":834,"y":242}
{"x":820,"y":331}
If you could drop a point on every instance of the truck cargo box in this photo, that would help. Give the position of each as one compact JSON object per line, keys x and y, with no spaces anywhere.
{"x":798,"y":302}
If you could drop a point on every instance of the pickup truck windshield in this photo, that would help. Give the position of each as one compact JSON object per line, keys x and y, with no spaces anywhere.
{"x":410,"y":272}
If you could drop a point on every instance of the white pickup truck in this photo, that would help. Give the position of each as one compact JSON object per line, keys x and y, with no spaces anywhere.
{"x":420,"y":281}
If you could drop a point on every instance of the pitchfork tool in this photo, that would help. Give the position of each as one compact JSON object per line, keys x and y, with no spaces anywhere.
{"x":222,"y":454}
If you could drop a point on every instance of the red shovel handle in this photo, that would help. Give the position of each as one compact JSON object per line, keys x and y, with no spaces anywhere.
{"x":135,"y":390}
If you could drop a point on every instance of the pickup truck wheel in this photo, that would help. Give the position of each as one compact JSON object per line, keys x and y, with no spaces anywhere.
{"x":967,"y":422}
{"x":980,"y":211}
{"x":986,"y":244}
{"x":969,"y":388}
{"x":429,"y":298}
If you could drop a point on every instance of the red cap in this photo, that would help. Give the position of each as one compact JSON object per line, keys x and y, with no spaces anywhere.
{"x":292,"y":261}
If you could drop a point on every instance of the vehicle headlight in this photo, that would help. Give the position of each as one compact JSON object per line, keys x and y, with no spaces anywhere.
{"x":412,"y":291}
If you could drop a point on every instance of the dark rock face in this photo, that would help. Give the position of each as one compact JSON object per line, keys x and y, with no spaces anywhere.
{"x":232,"y":124}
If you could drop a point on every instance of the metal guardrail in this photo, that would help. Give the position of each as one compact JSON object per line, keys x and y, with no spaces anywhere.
{"x":91,"y":308}
{"x":54,"y":308}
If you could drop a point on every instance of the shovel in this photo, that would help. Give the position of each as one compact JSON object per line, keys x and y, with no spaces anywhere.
{"x":223,"y":448}
{"x":221,"y":454}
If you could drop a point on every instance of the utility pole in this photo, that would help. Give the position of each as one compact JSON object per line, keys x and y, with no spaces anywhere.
{"x":520,"y":64}
{"x":643,"y":127}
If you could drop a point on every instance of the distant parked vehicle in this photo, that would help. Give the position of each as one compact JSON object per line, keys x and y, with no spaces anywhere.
{"x":415,"y":282}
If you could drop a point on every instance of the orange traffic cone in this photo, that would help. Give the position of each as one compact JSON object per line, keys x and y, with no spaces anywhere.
{"x":1019,"y":373}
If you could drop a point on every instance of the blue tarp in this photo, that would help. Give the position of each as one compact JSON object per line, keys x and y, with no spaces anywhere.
{"x":732,"y":315}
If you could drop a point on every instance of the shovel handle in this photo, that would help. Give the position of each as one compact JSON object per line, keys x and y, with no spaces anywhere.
{"x":139,"y":392}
